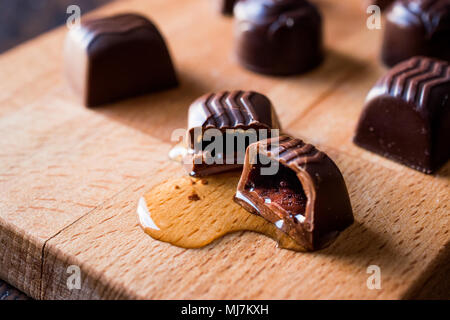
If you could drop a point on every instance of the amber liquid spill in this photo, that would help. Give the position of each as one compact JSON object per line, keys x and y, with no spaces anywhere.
{"x":191,"y":213}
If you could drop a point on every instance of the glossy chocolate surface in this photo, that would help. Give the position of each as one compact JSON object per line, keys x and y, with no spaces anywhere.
{"x":236,"y":110}
{"x":117,"y":57}
{"x":307,"y":198}
{"x":417,"y":28}
{"x":407,"y":115}
{"x":278,"y":37}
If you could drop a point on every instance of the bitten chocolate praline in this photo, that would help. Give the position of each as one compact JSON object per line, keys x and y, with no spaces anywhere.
{"x":407,"y":115}
{"x":117,"y":57}
{"x":278,"y":37}
{"x":305,"y":196}
{"x":416,"y":28}
{"x":237,"y":110}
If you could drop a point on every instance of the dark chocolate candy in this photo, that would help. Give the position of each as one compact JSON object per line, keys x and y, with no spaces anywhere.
{"x":417,"y":27}
{"x":306,"y":198}
{"x":407,"y":115}
{"x":226,"y":6}
{"x":278,"y":37}
{"x":242,"y":111}
{"x":383,"y":4}
{"x":117,"y":57}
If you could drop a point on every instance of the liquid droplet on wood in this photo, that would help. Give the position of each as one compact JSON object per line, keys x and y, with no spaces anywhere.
{"x":170,"y":214}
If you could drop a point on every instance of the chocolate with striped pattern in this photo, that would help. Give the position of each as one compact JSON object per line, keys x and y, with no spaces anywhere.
{"x":236,"y":110}
{"x":306,"y":197}
{"x":407,"y":115}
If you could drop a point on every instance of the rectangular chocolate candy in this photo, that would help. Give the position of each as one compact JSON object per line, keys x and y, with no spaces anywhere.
{"x":407,"y":115}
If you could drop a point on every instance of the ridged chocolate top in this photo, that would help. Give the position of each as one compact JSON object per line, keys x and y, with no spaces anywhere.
{"x":415,"y":81}
{"x":232,"y":109}
{"x":407,"y":115}
{"x":328,"y":209}
{"x":120,"y":24}
{"x":292,"y":152}
{"x":434,"y":15}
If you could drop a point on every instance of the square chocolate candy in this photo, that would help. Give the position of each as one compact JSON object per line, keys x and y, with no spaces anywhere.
{"x":117,"y":57}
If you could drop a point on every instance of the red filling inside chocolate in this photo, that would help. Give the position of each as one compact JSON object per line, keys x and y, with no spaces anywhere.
{"x":283,"y":189}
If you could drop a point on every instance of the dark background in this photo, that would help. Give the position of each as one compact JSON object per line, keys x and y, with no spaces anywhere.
{"x":21,"y":20}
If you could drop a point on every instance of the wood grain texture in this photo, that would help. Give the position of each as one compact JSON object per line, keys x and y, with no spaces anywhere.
{"x":70,"y":177}
{"x":388,"y":233}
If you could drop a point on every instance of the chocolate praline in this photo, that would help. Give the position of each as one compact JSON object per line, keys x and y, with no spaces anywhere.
{"x":302,"y":191}
{"x":278,"y":37}
{"x":407,"y":115}
{"x":117,"y":57}
{"x":416,"y":27}
{"x":243,"y":115}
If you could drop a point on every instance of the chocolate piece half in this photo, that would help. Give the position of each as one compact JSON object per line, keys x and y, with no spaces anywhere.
{"x":117,"y":57}
{"x":417,"y":28}
{"x":407,"y":115}
{"x":296,"y":187}
{"x":226,"y":6}
{"x":281,"y":37}
{"x":229,"y":121}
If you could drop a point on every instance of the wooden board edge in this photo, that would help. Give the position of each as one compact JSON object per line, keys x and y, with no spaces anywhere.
{"x":93,"y":284}
{"x":21,"y":262}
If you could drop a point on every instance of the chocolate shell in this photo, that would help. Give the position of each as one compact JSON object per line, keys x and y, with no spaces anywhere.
{"x":306,"y":197}
{"x":417,"y":28}
{"x":237,"y":110}
{"x":407,"y":115}
{"x":282,"y":37}
{"x":117,"y":57}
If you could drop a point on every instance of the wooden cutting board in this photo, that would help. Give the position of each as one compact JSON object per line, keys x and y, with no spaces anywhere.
{"x":71,"y":177}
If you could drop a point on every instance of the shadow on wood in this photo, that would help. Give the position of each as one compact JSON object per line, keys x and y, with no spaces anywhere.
{"x":140,"y":112}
